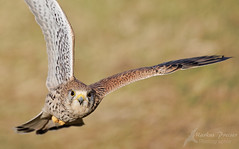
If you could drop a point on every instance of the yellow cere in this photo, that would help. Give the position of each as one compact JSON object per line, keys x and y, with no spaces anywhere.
{"x":80,"y":95}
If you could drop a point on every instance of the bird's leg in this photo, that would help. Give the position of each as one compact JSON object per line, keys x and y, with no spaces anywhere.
{"x":61,"y":122}
{"x":56,"y":120}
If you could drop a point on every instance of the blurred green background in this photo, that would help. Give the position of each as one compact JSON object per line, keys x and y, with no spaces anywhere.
{"x":117,"y":35}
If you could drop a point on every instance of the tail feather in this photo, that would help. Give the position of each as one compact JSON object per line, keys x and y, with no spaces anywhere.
{"x":34,"y":124}
{"x":41,"y":124}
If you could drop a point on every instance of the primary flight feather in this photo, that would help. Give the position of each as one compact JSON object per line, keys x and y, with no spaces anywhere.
{"x":70,"y":100}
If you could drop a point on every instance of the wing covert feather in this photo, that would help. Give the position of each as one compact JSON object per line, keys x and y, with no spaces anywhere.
{"x":59,"y":39}
{"x":112,"y":83}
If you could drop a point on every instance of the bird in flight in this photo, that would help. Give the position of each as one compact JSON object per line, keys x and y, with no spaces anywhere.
{"x":70,"y":100}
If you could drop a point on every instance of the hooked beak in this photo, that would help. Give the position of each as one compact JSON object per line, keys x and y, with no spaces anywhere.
{"x":81,"y":98}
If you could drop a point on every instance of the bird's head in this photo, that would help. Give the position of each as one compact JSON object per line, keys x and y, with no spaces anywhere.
{"x":80,"y":101}
{"x":71,"y":101}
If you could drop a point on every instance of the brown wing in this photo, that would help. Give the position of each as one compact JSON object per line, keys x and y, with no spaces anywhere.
{"x":112,"y":83}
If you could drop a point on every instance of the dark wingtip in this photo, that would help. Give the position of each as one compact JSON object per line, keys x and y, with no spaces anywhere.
{"x":206,"y":60}
{"x":223,"y":58}
{"x":220,"y":58}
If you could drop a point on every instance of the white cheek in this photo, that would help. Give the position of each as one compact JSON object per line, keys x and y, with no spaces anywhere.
{"x":79,"y":109}
{"x":75,"y":105}
{"x":85,"y":103}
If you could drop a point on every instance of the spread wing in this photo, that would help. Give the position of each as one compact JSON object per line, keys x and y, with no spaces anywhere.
{"x":59,"y":39}
{"x":112,"y":83}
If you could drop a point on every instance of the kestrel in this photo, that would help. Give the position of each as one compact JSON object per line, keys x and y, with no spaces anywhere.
{"x":70,"y":100}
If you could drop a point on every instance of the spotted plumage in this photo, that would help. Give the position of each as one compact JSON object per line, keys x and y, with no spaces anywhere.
{"x":70,"y":100}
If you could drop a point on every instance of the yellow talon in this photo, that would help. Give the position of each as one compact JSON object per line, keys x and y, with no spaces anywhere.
{"x":61,"y":122}
{"x":56,"y":120}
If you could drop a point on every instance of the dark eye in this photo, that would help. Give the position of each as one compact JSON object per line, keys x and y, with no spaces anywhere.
{"x":89,"y":94}
{"x":72,"y":93}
